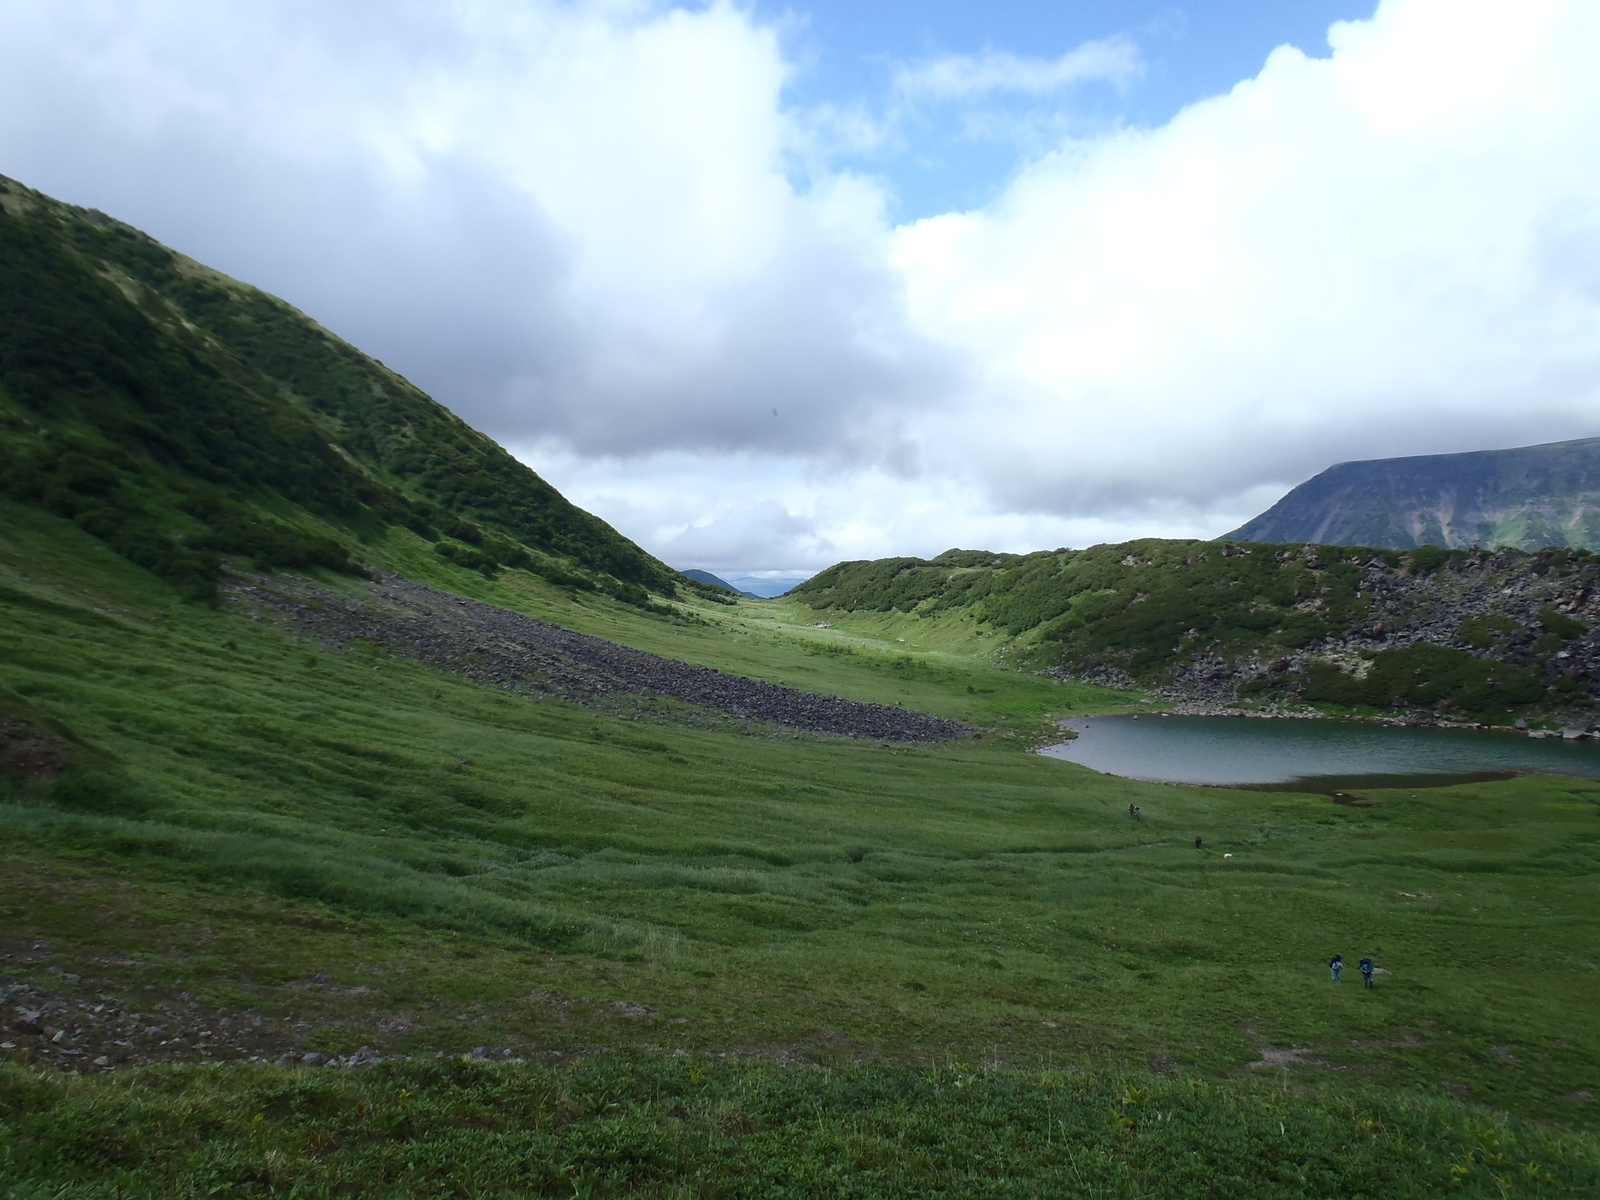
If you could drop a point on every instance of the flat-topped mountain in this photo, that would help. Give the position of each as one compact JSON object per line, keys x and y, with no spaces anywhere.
{"x":1529,"y":498}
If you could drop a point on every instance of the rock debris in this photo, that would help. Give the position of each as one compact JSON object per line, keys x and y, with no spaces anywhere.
{"x":497,"y":646}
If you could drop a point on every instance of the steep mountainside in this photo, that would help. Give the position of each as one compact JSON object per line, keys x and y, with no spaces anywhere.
{"x":1453,"y":633}
{"x":1529,"y":498}
{"x":181,"y":416}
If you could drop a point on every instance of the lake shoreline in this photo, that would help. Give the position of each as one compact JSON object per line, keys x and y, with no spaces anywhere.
{"x":1574,"y":732}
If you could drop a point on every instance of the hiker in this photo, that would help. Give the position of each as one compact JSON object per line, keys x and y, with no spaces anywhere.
{"x":1336,"y":964}
{"x":1366,"y":971}
{"x":1132,"y":809}
{"x":1197,"y":841}
{"x":1138,"y":813}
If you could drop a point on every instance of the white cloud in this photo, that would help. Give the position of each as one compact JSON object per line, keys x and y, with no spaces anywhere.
{"x":567,"y":220}
{"x":575,"y":223}
{"x":958,"y":76}
{"x":1374,"y":253}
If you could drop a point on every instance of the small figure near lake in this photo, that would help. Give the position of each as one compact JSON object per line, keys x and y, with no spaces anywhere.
{"x":1197,"y":841}
{"x":1335,"y":965}
{"x":1366,"y":971}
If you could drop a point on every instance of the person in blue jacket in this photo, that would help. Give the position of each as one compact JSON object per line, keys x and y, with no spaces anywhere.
{"x":1335,"y":965}
{"x":1366,"y":971}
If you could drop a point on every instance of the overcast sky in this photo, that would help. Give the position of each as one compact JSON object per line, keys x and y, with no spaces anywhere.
{"x":769,"y":286}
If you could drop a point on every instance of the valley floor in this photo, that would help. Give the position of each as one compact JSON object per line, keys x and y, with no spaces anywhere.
{"x":676,"y":942}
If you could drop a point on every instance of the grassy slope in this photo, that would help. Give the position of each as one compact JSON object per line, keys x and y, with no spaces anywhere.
{"x":294,"y":807}
{"x":153,"y":399}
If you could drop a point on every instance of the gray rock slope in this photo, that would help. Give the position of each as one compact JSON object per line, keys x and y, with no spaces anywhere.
{"x":518,"y":653}
{"x":1529,"y":497}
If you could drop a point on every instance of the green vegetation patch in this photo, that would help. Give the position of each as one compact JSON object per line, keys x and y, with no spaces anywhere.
{"x":640,"y":1126}
{"x":1427,"y":676}
{"x":1140,"y":605}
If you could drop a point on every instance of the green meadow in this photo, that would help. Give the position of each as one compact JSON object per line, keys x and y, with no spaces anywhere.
{"x":733,"y":960}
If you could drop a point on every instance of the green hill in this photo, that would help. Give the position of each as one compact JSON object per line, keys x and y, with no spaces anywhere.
{"x":1452,"y":633}
{"x":182,"y":416}
{"x":1528,"y":498}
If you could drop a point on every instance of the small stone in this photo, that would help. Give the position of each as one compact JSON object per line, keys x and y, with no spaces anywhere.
{"x":102,"y":1061}
{"x":28,"y":1022}
{"x":314,"y":1059}
{"x":60,"y":1037}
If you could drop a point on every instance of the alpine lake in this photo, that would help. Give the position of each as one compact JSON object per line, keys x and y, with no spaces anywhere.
{"x":1313,"y":755}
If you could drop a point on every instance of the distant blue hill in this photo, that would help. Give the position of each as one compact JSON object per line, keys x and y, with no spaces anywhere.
{"x":707,"y":577}
{"x":1529,"y":497}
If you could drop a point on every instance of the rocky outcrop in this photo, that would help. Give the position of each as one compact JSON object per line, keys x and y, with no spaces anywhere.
{"x":1532,"y":621}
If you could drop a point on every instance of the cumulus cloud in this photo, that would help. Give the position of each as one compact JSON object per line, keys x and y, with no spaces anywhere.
{"x":1378,"y":252}
{"x":579,"y":224}
{"x":957,"y":76}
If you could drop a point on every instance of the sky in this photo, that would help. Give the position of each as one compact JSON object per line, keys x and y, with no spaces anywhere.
{"x":770,"y":286}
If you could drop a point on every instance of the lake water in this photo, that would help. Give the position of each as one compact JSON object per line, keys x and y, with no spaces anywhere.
{"x":1312,"y":755}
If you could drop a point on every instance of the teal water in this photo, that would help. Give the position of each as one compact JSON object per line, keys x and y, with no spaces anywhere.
{"x":1312,"y":755}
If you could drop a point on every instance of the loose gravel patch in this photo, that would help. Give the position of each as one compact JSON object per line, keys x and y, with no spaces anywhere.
{"x":501,"y":647}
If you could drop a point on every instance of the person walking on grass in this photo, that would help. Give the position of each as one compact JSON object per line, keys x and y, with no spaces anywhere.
{"x":1366,"y":972}
{"x":1335,"y":965}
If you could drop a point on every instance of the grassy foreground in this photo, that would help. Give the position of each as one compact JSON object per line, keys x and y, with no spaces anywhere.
{"x":642,"y":1127}
{"x":818,"y":963}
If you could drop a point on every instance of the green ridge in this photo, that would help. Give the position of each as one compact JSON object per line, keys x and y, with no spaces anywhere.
{"x":181,"y":415}
{"x":1142,"y":611}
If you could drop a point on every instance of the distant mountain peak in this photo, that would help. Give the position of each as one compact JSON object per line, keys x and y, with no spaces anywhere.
{"x":1529,"y":497}
{"x":710,"y":580}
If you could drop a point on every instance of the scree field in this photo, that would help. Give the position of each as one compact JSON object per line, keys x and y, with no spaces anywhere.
{"x":644,"y":949}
